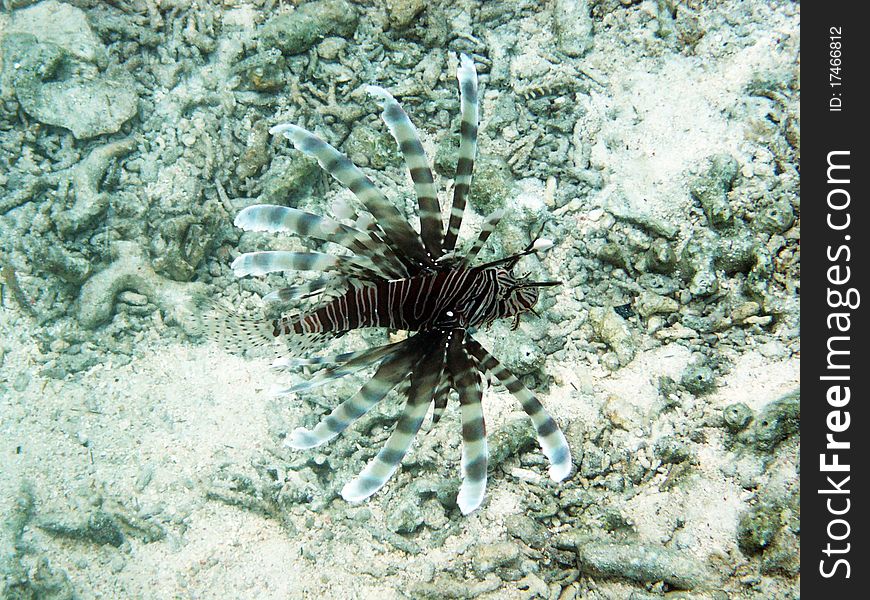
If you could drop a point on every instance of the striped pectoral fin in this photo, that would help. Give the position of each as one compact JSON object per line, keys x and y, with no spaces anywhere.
{"x":489,"y":225}
{"x":550,"y":437}
{"x":387,"y":461}
{"x":371,"y":354}
{"x":272,"y":261}
{"x":272,"y":218}
{"x":374,"y":245}
{"x":474,"y":449}
{"x":387,"y":376}
{"x":467,"y":76}
{"x":408,"y":140}
{"x":440,"y":403}
{"x":382,"y":258}
{"x":424,"y":381}
{"x":355,"y":362}
{"x":379,"y":250}
{"x":400,"y":235}
{"x":474,"y":454}
{"x":303,"y":291}
{"x":283,"y":219}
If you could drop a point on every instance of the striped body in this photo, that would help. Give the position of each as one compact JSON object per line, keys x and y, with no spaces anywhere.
{"x":396,"y":278}
{"x":443,"y":300}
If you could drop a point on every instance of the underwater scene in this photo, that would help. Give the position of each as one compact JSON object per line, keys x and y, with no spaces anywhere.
{"x":399,"y":299}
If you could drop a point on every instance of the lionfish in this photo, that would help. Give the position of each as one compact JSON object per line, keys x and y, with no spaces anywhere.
{"x":401,"y":280}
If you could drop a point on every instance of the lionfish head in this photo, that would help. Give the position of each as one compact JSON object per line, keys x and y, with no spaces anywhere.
{"x":520,"y":296}
{"x":525,"y":297}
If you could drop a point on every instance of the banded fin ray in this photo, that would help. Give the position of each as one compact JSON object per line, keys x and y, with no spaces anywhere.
{"x":475,"y":454}
{"x":303,"y":291}
{"x":440,"y":403}
{"x":550,"y":437}
{"x":489,"y":225}
{"x":408,"y":140}
{"x":388,"y":374}
{"x":360,"y":360}
{"x":335,"y":359}
{"x":365,"y":222}
{"x":399,"y":234}
{"x":423,"y":384}
{"x":467,"y":76}
{"x":272,"y":218}
{"x":272,"y":261}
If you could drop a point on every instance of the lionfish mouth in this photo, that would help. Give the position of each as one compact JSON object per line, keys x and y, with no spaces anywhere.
{"x":396,"y":278}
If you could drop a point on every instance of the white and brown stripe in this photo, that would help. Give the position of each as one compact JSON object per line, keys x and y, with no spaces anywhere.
{"x":466,"y":381}
{"x":271,"y":218}
{"x":391,"y":371}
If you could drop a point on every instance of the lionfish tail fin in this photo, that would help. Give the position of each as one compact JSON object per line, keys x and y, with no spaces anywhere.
{"x":235,"y":333}
{"x":256,"y":337}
